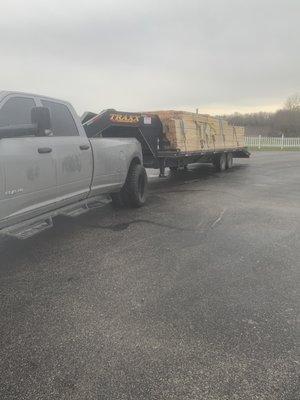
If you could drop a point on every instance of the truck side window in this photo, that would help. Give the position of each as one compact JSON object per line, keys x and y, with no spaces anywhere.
{"x":62,"y":120}
{"x":16,"y":111}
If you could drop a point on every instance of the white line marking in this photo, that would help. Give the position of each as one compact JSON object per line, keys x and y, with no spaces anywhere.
{"x":219,"y":218}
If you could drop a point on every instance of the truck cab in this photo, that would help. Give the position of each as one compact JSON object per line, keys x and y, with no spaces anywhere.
{"x":40,"y":170}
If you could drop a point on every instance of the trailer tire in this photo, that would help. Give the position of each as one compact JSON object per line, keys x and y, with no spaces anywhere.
{"x":229,"y":160}
{"x":220,"y":162}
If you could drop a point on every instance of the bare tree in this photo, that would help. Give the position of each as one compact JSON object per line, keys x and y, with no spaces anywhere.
{"x":286,"y":120}
{"x":293,"y":103}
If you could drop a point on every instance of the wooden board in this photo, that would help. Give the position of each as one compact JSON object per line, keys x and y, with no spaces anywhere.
{"x":189,"y":132}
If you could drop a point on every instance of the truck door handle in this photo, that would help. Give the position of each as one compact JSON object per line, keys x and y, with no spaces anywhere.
{"x":84,"y":147}
{"x":44,"y":150}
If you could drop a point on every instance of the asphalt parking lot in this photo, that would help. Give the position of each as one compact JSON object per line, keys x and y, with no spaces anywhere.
{"x":195,"y":296}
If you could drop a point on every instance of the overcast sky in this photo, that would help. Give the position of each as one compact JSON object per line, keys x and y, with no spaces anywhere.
{"x":217,"y":55}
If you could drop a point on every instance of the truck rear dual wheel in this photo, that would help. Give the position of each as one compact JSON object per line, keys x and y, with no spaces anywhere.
{"x":134,"y":191}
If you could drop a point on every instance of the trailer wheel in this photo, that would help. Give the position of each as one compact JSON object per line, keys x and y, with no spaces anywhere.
{"x":229,"y":160}
{"x":220,"y":162}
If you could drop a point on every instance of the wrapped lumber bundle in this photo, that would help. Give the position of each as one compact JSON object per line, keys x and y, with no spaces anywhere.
{"x":189,"y":132}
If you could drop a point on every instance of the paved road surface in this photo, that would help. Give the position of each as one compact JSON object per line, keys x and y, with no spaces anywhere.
{"x":192,"y":297}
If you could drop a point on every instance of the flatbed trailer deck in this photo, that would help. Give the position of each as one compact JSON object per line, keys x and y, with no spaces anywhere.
{"x":178,"y":159}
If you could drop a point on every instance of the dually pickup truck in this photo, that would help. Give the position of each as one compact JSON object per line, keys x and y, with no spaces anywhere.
{"x":49,"y":167}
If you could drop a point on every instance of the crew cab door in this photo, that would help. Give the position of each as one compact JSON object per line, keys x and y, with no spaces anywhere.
{"x":27,"y":165}
{"x":73,"y":153}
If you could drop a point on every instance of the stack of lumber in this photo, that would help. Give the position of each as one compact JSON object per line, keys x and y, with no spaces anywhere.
{"x":189,"y":132}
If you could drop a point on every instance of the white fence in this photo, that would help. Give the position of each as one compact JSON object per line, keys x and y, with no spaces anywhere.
{"x":276,"y":142}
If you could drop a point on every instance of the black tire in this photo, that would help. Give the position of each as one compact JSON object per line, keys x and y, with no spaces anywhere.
{"x":135,"y":187}
{"x":220,"y":162}
{"x":229,"y":160}
{"x":134,"y":191}
{"x":173,"y":169}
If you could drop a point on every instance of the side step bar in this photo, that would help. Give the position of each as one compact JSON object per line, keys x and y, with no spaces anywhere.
{"x":26,"y":229}
{"x":74,"y":212}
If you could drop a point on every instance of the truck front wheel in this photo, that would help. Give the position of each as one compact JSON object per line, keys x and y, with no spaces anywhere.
{"x":134,"y":191}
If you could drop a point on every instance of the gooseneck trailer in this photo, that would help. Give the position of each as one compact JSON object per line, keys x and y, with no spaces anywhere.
{"x":172,"y":139}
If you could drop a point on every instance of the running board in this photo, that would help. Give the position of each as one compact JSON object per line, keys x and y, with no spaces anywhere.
{"x":25,"y":231}
{"x":74,"y":212}
{"x":99,"y":203}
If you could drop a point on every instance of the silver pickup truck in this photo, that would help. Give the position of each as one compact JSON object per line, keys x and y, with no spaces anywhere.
{"x":49,"y":167}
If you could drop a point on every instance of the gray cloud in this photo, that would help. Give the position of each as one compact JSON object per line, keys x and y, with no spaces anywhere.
{"x":142,"y":54}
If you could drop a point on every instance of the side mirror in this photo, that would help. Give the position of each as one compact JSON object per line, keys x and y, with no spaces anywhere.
{"x":40,"y":116}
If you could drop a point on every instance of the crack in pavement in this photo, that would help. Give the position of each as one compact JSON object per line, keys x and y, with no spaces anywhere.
{"x":124,"y":225}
